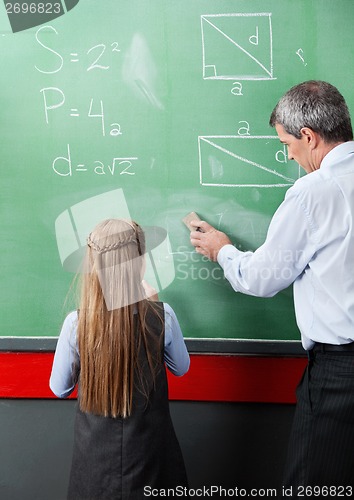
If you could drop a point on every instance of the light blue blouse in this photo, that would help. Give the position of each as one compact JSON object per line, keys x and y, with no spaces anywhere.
{"x":66,"y":364}
{"x":310,"y":243}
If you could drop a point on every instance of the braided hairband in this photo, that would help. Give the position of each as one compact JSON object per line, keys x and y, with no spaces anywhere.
{"x":132,"y":238}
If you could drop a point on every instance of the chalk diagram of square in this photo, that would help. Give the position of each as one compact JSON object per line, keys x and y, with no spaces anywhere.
{"x":74,"y":224}
{"x":245,"y":161}
{"x":237,"y":46}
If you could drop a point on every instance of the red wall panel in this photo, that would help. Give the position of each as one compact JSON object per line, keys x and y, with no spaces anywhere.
{"x":211,"y":377}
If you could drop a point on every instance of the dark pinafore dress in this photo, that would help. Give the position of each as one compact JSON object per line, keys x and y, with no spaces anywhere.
{"x":116,"y":458}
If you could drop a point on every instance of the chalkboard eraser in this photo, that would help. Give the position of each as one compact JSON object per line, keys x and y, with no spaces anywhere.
{"x":188,"y":218}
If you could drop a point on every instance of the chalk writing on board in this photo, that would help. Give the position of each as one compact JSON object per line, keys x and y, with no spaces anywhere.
{"x":55,"y":101}
{"x":237,"y":88}
{"x":230,"y":54}
{"x":245,"y":161}
{"x":300,"y":53}
{"x":64,"y":166}
{"x":54,"y":98}
{"x":97,"y":57}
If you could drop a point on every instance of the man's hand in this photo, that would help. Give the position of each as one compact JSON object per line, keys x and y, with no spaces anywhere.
{"x":207,"y":240}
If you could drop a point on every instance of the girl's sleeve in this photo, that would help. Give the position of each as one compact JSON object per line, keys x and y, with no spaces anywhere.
{"x":176,"y":354}
{"x":66,"y":364}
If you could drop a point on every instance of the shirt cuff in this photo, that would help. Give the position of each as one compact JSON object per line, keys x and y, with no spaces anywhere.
{"x":227,"y":252}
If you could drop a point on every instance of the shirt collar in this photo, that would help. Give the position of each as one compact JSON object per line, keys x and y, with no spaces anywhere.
{"x":338,"y":152}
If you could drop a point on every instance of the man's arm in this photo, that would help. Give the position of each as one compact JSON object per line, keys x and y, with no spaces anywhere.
{"x":289,"y":246}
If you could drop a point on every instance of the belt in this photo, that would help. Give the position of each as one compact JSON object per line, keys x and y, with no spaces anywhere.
{"x":318,"y":347}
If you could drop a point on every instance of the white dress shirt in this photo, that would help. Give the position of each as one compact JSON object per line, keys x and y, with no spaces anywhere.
{"x":66,"y":364}
{"x":310,"y":242}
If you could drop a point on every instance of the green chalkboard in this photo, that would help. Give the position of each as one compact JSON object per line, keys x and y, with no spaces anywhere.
{"x":152,"y":109}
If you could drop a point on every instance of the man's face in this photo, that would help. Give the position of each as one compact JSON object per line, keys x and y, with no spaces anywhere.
{"x":298,"y":149}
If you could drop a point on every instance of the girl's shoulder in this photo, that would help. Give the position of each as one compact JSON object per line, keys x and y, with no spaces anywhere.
{"x":168,"y":310}
{"x":164,"y":310}
{"x":70,"y":323}
{"x":72,"y":317}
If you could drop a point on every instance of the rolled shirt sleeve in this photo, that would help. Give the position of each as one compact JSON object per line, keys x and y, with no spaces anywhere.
{"x":289,"y":246}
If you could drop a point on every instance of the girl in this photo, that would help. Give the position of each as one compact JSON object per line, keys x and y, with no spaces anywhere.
{"x":116,"y":347}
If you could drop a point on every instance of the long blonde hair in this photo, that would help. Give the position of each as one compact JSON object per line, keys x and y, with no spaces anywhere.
{"x":112,"y":324}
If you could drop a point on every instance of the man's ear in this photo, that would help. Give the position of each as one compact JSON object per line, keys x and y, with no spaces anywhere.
{"x":310,"y":137}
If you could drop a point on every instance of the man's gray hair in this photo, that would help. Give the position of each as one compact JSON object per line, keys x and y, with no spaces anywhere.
{"x":317,"y":105}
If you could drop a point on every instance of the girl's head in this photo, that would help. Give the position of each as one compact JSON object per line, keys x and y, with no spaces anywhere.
{"x":112,"y":319}
{"x":115,"y":262}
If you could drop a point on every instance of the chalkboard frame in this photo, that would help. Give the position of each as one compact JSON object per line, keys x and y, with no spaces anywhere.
{"x":203,"y":346}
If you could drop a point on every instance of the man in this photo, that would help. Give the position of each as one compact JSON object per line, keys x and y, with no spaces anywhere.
{"x":312,"y":237}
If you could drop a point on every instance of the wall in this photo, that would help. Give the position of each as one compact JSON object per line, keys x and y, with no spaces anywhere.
{"x":224,"y":444}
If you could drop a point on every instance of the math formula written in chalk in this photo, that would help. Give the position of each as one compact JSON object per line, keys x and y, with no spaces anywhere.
{"x":97,"y":57}
{"x":69,"y":106}
{"x":65,"y":166}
